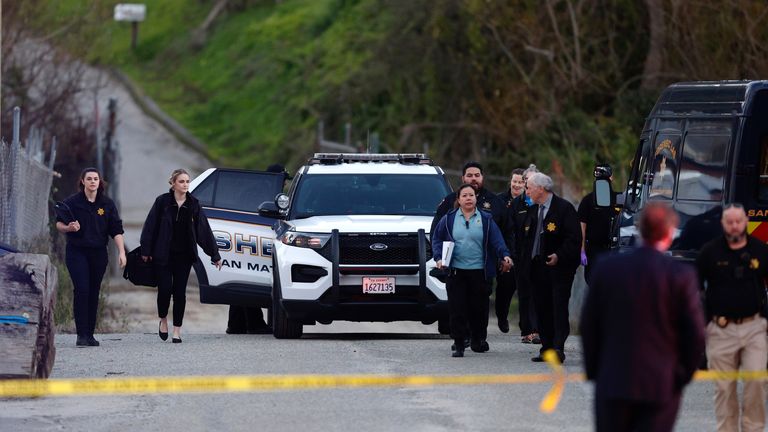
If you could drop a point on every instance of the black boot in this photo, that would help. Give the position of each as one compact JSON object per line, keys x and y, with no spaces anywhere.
{"x":81,"y":341}
{"x":457,"y":348}
{"x":480,"y":347}
{"x":465,"y":344}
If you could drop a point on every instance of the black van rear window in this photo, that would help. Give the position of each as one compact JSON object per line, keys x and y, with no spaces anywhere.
{"x":702,"y":168}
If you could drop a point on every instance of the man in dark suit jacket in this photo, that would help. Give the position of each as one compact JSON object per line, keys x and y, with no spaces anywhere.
{"x":553,"y":244}
{"x":642,"y":330}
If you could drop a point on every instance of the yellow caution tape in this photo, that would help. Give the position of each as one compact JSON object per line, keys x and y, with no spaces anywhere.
{"x":552,"y":398}
{"x":236,"y":383}
{"x":230,"y":383}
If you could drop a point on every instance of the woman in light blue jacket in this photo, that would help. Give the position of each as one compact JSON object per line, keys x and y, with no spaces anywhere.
{"x":478,"y":243}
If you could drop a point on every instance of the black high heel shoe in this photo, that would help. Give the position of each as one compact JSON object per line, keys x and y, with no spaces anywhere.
{"x":176,"y":340}
{"x":163,"y":335}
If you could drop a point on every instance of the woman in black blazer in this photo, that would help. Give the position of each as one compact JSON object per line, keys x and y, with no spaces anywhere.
{"x":174,"y":227}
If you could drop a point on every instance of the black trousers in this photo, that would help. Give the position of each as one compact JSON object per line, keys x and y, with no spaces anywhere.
{"x":551,"y":295}
{"x":592,"y":255}
{"x":172,"y":282}
{"x":506,"y":285}
{"x":528,"y":320}
{"x":468,"y":293}
{"x":86,"y":267}
{"x":618,"y":415}
{"x":505,"y":290}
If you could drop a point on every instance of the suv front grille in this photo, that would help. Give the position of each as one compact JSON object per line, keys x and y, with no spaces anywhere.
{"x":355,"y":249}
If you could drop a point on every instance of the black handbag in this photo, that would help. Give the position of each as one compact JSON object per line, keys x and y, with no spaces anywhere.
{"x":139,"y":272}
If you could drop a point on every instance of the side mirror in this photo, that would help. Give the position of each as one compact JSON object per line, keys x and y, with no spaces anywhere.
{"x":269,"y":209}
{"x":603,"y":195}
{"x":282,"y":201}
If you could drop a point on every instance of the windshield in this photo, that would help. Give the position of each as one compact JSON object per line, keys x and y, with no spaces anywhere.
{"x":368,"y":194}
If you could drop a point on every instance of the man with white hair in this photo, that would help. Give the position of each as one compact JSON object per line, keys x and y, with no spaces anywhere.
{"x":552,"y":244}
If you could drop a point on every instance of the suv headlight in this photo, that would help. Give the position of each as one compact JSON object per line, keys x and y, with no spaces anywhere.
{"x":305,"y":240}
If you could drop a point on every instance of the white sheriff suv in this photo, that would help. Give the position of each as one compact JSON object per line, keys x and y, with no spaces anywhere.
{"x":352,"y":242}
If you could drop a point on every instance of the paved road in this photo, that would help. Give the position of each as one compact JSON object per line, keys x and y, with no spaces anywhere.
{"x":468,"y":408}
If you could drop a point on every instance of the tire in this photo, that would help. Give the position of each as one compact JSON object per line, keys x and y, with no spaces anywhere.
{"x":444,"y":326}
{"x":282,"y":327}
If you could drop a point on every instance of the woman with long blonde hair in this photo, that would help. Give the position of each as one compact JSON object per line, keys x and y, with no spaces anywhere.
{"x":175,"y":225}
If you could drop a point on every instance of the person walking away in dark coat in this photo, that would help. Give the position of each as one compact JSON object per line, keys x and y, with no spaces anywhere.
{"x":733,"y":269}
{"x":553,"y":243}
{"x":477,"y":244}
{"x":642,"y":330}
{"x":174,"y":227}
{"x":89,"y":218}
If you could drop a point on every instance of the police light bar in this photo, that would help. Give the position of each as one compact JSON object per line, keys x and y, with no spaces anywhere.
{"x":338,"y":158}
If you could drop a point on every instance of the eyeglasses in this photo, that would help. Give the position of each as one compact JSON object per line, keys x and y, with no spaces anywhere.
{"x":466,"y":223}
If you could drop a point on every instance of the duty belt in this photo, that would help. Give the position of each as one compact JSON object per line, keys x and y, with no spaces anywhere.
{"x":723,"y":321}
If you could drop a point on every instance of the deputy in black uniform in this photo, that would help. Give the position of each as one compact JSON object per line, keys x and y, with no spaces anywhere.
{"x":519,"y":212}
{"x":596,"y":223}
{"x":733,"y":269}
{"x":506,"y":282}
{"x":472,"y":174}
{"x":89,"y":218}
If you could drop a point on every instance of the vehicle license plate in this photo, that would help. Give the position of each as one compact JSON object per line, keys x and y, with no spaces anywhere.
{"x":378,"y":285}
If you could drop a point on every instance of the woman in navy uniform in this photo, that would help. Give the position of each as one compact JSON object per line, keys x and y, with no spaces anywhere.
{"x":174,"y":227}
{"x":89,"y":218}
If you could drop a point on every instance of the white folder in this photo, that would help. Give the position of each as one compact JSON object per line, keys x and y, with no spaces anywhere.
{"x":447,"y":252}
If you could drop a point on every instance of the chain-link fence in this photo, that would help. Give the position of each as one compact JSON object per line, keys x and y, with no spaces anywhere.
{"x":25,"y":186}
